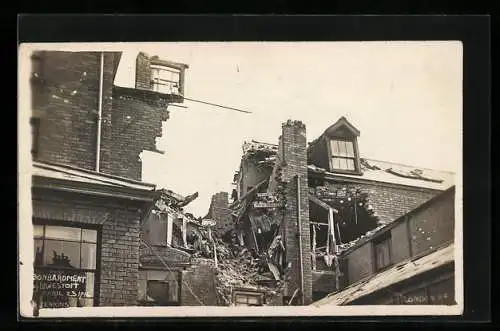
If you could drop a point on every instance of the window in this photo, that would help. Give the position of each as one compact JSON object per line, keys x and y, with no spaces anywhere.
{"x":248,"y":299}
{"x":382,"y":250}
{"x":163,"y":292}
{"x":165,"y":79}
{"x":343,"y":156}
{"x":35,"y":133}
{"x":65,"y":266}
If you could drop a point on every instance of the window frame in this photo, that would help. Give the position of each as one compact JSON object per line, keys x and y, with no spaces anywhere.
{"x":98,"y":244}
{"x":167,"y":283}
{"x":159,"y":87}
{"x":248,"y":294}
{"x":354,"y":158}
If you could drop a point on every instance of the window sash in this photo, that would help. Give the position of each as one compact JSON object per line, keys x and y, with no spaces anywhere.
{"x":343,"y":163}
{"x":342,"y":148}
{"x":342,"y":153}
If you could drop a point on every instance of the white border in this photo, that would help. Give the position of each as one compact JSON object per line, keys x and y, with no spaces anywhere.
{"x":25,"y":229}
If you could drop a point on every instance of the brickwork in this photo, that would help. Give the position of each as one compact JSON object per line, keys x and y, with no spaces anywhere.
{"x":135,"y":126}
{"x":119,"y":244}
{"x":69,"y":108}
{"x":389,"y":202}
{"x":66,"y":96}
{"x":201,"y":279}
{"x":296,"y":228}
{"x":220,"y":212}
{"x":143,"y":71}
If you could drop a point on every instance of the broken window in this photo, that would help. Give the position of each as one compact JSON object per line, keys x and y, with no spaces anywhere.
{"x":64,"y":266}
{"x":343,"y":156}
{"x":382,"y":250}
{"x":165,"y":79}
{"x":248,"y":299}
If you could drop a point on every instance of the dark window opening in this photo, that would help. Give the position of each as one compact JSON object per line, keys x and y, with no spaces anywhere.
{"x":164,"y":292}
{"x":65,"y":263}
{"x":382,"y":251}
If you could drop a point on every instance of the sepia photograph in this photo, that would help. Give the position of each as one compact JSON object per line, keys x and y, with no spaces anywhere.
{"x":240,"y":179}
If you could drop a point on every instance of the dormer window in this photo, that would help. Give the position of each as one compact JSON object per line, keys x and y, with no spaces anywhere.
{"x":336,"y":150}
{"x":343,"y":156}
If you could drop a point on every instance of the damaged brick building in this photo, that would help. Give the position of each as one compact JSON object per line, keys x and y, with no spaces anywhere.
{"x":92,"y":214}
{"x":298,"y":207}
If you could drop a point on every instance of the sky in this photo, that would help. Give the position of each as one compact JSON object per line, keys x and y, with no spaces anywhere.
{"x":404,"y":97}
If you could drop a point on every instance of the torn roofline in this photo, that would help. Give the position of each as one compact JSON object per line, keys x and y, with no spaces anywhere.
{"x":353,"y":178}
{"x":393,"y":224}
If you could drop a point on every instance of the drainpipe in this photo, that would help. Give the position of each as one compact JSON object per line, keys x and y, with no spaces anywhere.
{"x":300,"y":243}
{"x":99,"y":115}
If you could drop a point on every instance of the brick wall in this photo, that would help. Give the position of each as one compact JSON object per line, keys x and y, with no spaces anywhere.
{"x":66,"y":95}
{"x":294,"y":160}
{"x":119,"y":243}
{"x":389,"y":202}
{"x":135,"y":125}
{"x":142,"y":71}
{"x":220,"y":212}
{"x":69,"y":83}
{"x":201,"y":280}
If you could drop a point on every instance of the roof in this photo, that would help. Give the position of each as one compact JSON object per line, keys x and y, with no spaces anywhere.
{"x":402,"y":271}
{"x":399,"y":174}
{"x":342,"y":122}
{"x":65,"y":172}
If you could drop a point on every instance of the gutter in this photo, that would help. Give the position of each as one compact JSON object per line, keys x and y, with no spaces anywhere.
{"x":99,"y":116}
